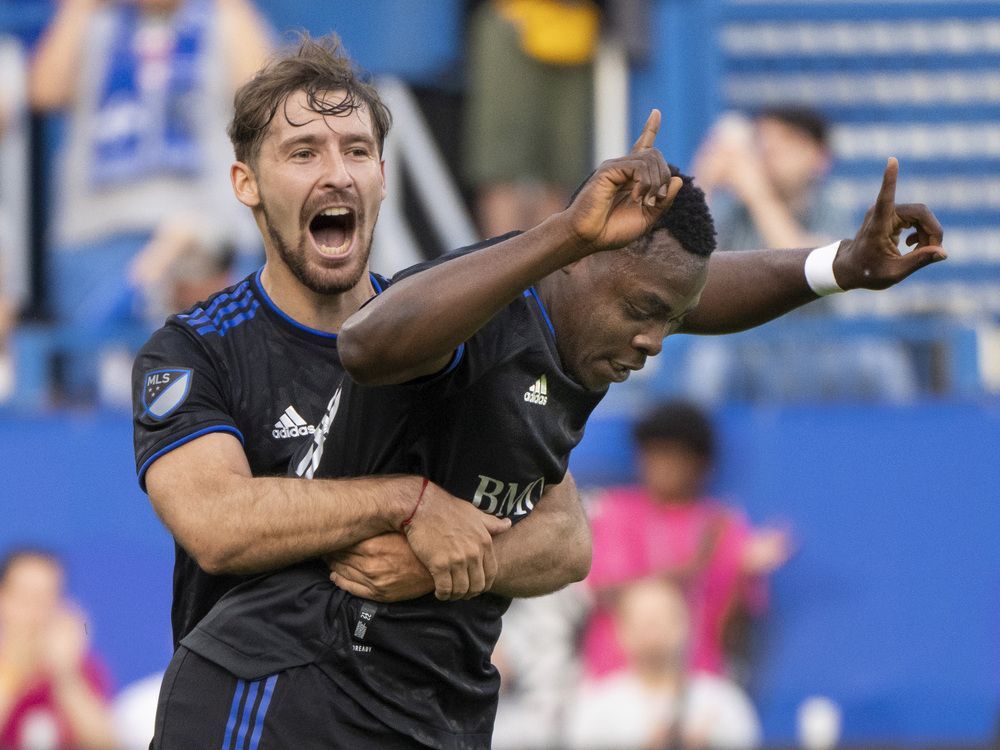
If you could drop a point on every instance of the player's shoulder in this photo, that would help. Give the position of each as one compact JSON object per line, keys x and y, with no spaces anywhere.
{"x":450,"y":256}
{"x":213,"y":324}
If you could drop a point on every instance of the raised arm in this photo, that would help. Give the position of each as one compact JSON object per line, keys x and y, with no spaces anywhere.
{"x":548,"y":550}
{"x":746,"y":289}
{"x":413,"y":327}
{"x":54,"y":72}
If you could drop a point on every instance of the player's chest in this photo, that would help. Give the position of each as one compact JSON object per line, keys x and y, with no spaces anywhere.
{"x":281,"y":403}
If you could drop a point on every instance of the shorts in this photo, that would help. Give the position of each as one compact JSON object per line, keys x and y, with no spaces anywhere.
{"x":204,"y":707}
{"x":525,"y":120}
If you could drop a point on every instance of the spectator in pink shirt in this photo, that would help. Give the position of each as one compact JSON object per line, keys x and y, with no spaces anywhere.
{"x":53,"y":692}
{"x":669,"y":528}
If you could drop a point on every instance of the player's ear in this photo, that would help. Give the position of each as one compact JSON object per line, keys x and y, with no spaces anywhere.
{"x":244,"y":184}
{"x":381,"y":167}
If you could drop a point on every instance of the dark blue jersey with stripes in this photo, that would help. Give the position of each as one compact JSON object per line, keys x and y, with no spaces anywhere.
{"x":494,"y":428}
{"x":233,"y":364}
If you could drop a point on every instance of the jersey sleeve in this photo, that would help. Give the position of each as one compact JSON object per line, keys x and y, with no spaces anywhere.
{"x":488,"y":346}
{"x":501,"y":339}
{"x":178,"y":395}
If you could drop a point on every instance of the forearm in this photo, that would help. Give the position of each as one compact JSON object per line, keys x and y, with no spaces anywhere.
{"x":423,"y":319}
{"x":548,"y":550}
{"x":747,"y":289}
{"x":54,"y":71}
{"x":86,"y":714}
{"x":247,"y":42}
{"x":249,"y":525}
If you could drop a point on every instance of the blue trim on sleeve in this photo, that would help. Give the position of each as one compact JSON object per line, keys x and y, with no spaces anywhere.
{"x":181,"y":441}
{"x":455,"y":359}
{"x":375,"y":283}
{"x":530,"y":292}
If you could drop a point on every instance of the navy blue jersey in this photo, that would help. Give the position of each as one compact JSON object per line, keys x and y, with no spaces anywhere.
{"x":235,"y":364}
{"x":494,"y":428}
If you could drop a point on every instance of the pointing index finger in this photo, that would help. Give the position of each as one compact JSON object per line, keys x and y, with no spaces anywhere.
{"x":648,"y":135}
{"x":885,"y":204}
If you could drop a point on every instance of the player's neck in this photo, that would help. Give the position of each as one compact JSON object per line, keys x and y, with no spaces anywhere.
{"x":549,"y":292}
{"x":323,"y":312}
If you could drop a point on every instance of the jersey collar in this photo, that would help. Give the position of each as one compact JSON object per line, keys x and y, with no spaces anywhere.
{"x":377,"y":284}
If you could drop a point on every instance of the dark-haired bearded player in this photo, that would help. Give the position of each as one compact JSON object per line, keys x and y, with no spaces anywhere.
{"x":497,"y":378}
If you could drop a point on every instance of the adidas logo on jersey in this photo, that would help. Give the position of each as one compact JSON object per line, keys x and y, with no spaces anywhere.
{"x":538,"y":393}
{"x":292,"y":425}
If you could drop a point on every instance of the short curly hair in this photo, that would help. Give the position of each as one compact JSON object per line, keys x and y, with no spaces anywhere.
{"x":688,"y":220}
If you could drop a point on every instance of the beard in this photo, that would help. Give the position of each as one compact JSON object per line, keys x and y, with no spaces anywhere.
{"x":319,"y":280}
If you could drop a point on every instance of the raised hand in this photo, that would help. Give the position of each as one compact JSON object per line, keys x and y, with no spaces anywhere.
{"x":454,"y":540}
{"x":872,"y":260}
{"x":625,"y":196}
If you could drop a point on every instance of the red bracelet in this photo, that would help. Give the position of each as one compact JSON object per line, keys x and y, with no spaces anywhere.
{"x":420,"y":499}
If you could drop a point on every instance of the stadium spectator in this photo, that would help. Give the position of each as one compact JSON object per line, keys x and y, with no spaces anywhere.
{"x":149,"y":88}
{"x":656,"y":701}
{"x":765,"y":180}
{"x":669,"y":528}
{"x":771,"y":171}
{"x":529,"y":107}
{"x":52,"y":689}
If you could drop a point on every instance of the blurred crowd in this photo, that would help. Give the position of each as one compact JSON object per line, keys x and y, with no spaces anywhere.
{"x":143,"y":222}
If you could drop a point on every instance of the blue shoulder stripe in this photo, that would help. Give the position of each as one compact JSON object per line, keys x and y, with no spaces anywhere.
{"x":226,"y":311}
{"x":201,"y":317}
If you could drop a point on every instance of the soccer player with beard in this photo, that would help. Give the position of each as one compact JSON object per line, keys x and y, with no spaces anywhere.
{"x":225,"y":392}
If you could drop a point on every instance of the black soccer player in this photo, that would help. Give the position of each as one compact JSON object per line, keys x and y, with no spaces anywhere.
{"x":492,"y":420}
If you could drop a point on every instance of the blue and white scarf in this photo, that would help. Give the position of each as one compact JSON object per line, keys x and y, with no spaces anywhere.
{"x":140,"y":131}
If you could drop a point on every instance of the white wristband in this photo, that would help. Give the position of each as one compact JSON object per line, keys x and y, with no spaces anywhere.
{"x":819,"y":270}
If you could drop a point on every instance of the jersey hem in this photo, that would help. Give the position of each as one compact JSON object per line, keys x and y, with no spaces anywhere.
{"x":234,"y":661}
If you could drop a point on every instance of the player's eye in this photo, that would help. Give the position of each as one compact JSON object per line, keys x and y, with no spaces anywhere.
{"x":302,"y":153}
{"x":635,"y":312}
{"x":359,"y":152}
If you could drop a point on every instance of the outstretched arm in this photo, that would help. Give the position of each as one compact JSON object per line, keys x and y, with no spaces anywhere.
{"x":549,"y":549}
{"x":412,"y":328}
{"x":746,"y":289}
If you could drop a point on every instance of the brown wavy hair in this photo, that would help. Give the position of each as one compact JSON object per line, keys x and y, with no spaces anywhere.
{"x":314,"y":66}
